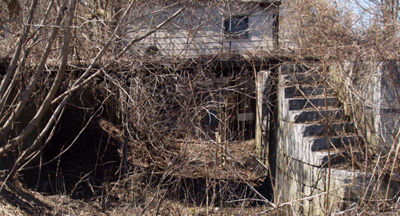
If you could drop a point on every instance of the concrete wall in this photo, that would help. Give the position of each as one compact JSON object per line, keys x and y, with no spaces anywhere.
{"x":374,"y":89}
{"x":302,"y":178}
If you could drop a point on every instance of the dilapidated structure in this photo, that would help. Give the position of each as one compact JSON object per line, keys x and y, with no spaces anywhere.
{"x":206,"y":28}
{"x":199,"y":100}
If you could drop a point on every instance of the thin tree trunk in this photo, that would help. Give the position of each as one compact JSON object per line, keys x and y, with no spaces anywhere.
{"x":54,"y":88}
{"x":27,"y":93}
{"x":13,"y":82}
{"x":21,"y":41}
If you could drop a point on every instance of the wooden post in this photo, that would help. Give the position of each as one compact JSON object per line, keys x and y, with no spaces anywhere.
{"x":218,"y":142}
{"x":275,"y":26}
{"x":263,"y":83}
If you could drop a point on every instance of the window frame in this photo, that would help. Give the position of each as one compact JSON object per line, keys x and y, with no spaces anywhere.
{"x":240,"y":31}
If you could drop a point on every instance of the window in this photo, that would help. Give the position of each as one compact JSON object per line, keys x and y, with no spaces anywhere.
{"x":236,"y":26}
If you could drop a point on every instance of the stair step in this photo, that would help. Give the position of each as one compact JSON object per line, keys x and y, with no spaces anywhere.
{"x":301,"y":91}
{"x":301,"y":103}
{"x":336,"y":157}
{"x":335,"y":129}
{"x":320,"y":143}
{"x":317,"y":158}
{"x":314,"y":115}
{"x":304,"y":104}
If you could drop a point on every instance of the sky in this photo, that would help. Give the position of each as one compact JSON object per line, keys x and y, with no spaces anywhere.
{"x":364,"y":11}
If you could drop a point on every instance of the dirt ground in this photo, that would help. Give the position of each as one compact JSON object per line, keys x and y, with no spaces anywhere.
{"x":82,"y":208}
{"x":17,"y":200}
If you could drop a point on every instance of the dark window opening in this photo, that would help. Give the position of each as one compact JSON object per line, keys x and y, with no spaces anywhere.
{"x":152,"y":50}
{"x":236,"y":27}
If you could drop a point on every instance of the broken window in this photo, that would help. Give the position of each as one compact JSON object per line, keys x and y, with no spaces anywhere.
{"x":236,"y":26}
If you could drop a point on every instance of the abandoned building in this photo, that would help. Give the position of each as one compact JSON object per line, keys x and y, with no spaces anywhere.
{"x":206,"y":28}
{"x":298,"y":121}
{"x":296,"y":116}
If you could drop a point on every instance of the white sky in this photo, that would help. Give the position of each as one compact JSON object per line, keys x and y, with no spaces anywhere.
{"x":364,"y":10}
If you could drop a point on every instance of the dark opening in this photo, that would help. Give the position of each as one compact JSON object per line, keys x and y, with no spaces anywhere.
{"x":236,"y":26}
{"x":152,"y":50}
{"x":234,"y":111}
{"x":88,"y":161}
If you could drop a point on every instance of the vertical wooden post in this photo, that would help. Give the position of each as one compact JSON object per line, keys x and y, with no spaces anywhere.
{"x":218,"y":142}
{"x":125,"y":149}
{"x":275,"y":26}
{"x":263,"y":84}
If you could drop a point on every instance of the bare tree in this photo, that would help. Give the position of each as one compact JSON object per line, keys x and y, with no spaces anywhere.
{"x":28,"y":43}
{"x":67,"y":48}
{"x":167,"y":88}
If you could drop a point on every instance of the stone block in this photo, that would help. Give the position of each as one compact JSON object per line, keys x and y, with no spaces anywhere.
{"x":321,"y":143}
{"x":315,"y":115}
{"x":335,"y":129}
{"x":311,"y":91}
{"x":301,"y":103}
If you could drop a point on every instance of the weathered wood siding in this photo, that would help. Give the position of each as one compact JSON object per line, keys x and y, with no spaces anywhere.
{"x":199,"y":30}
